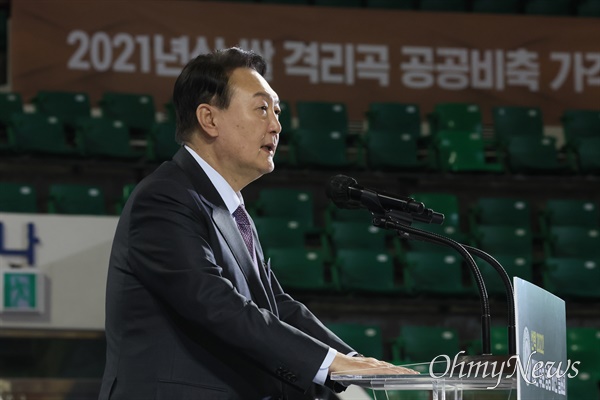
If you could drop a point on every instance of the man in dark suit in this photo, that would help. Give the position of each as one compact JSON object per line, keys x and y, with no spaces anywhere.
{"x":193,"y":311}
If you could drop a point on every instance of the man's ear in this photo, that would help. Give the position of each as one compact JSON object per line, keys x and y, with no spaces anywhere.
{"x":206,"y":116}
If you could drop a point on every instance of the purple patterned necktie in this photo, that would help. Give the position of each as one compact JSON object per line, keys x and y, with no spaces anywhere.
{"x":243,"y":223}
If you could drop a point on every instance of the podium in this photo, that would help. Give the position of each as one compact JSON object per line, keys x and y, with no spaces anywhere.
{"x":539,"y":370}
{"x":445,"y":388}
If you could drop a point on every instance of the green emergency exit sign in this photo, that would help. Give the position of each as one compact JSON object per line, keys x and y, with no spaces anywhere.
{"x":20,"y":291}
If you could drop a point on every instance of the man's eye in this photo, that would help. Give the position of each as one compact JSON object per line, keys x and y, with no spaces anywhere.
{"x":277,"y":111}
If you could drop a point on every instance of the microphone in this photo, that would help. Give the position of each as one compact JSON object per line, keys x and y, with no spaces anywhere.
{"x":345,"y":192}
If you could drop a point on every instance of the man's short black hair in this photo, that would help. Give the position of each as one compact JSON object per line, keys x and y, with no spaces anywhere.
{"x":205,"y":79}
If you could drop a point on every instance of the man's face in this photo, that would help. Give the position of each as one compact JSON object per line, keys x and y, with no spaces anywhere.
{"x":248,"y":129}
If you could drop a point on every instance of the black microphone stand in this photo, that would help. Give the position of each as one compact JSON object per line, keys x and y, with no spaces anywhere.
{"x":400,"y":221}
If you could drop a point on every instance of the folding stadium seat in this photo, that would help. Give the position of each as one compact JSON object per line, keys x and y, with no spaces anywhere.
{"x":583,"y":344}
{"x":365,"y":270}
{"x":455,"y":117}
{"x":135,"y":110}
{"x":17,"y":197}
{"x":500,"y":211}
{"x":421,"y":344}
{"x":572,"y":277}
{"x":548,"y":7}
{"x":517,"y":121}
{"x":161,"y":144}
{"x":588,"y":155}
{"x":569,"y":212}
{"x":67,"y":106}
{"x":583,"y":386}
{"x":392,"y":151}
{"x":338,"y":3}
{"x":496,"y":6}
{"x":40,"y":134}
{"x":395,"y":117}
{"x":463,"y":151}
{"x":515,"y":265}
{"x":444,"y":5}
{"x":335,"y":214}
{"x":395,"y":4}
{"x":320,"y":140}
{"x":589,"y":8}
{"x":280,"y":232}
{"x":445,"y":203}
{"x":579,"y":124}
{"x":573,"y":241}
{"x":10,"y":103}
{"x":434,"y":273}
{"x":105,"y":137}
{"x":299,"y":268}
{"x":290,"y":203}
{"x":529,"y":154}
{"x":515,"y":240}
{"x":357,"y":235}
{"x":76,"y":199}
{"x":364,"y":338}
{"x":127,"y":190}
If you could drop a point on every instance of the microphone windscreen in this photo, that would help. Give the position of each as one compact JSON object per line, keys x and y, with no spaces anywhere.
{"x":338,"y":191}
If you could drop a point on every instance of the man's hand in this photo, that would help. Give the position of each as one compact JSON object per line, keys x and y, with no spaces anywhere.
{"x":366,"y":365}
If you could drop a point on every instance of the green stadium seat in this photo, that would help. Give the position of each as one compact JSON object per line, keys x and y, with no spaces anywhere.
{"x":444,"y":5}
{"x":573,"y":241}
{"x":398,"y":118}
{"x":578,"y":124}
{"x":500,"y":211}
{"x":583,"y":386}
{"x":161,"y":143}
{"x":105,"y":137}
{"x":548,"y":7}
{"x":451,"y":231}
{"x":504,"y":239}
{"x":135,"y":110}
{"x":10,"y":103}
{"x":67,"y":106}
{"x":569,"y":212}
{"x":17,"y":198}
{"x":290,"y":203}
{"x":455,"y":117}
{"x":433,"y":273}
{"x":338,"y":3}
{"x":422,"y":344}
{"x":589,"y":8}
{"x":357,"y":235}
{"x":528,"y":154}
{"x":445,"y":203}
{"x":127,"y":190}
{"x":319,"y":149}
{"x":299,"y":268}
{"x":515,"y":265}
{"x":364,"y":338}
{"x":588,"y":155}
{"x":76,"y":199}
{"x":463,"y":152}
{"x":391,"y":151}
{"x":365,"y":270}
{"x":39,"y":134}
{"x":583,"y":344}
{"x":496,"y":6}
{"x":324,"y":117}
{"x":517,"y":121}
{"x":394,"y":4}
{"x":572,"y":277}
{"x":279,"y":232}
{"x":335,"y":214}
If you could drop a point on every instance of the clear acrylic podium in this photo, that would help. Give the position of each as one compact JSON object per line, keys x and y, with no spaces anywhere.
{"x":445,"y":388}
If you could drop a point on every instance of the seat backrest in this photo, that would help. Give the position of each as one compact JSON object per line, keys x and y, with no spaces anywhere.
{"x":445,"y":203}
{"x":581,"y":123}
{"x":503,"y":211}
{"x":357,"y":235}
{"x":575,"y":241}
{"x":365,"y":270}
{"x":457,"y":117}
{"x":37,"y":133}
{"x":572,"y":212}
{"x":68,"y":106}
{"x":17,"y":197}
{"x":423,"y":343}
{"x":103,"y":137}
{"x":135,"y":110}
{"x":10,"y":103}
{"x":279,"y":232}
{"x":298,"y":268}
{"x":322,"y":116}
{"x":76,"y":199}
{"x":435,"y":273}
{"x":162,"y":145}
{"x":517,"y":121}
{"x":572,"y":276}
{"x":503,"y":239}
{"x":395,"y":117}
{"x":364,"y":338}
{"x":291,"y":203}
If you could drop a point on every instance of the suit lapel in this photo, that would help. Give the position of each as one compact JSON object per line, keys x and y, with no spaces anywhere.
{"x":225,"y":224}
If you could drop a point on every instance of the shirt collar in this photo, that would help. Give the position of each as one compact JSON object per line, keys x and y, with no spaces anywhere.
{"x":231,"y":198}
